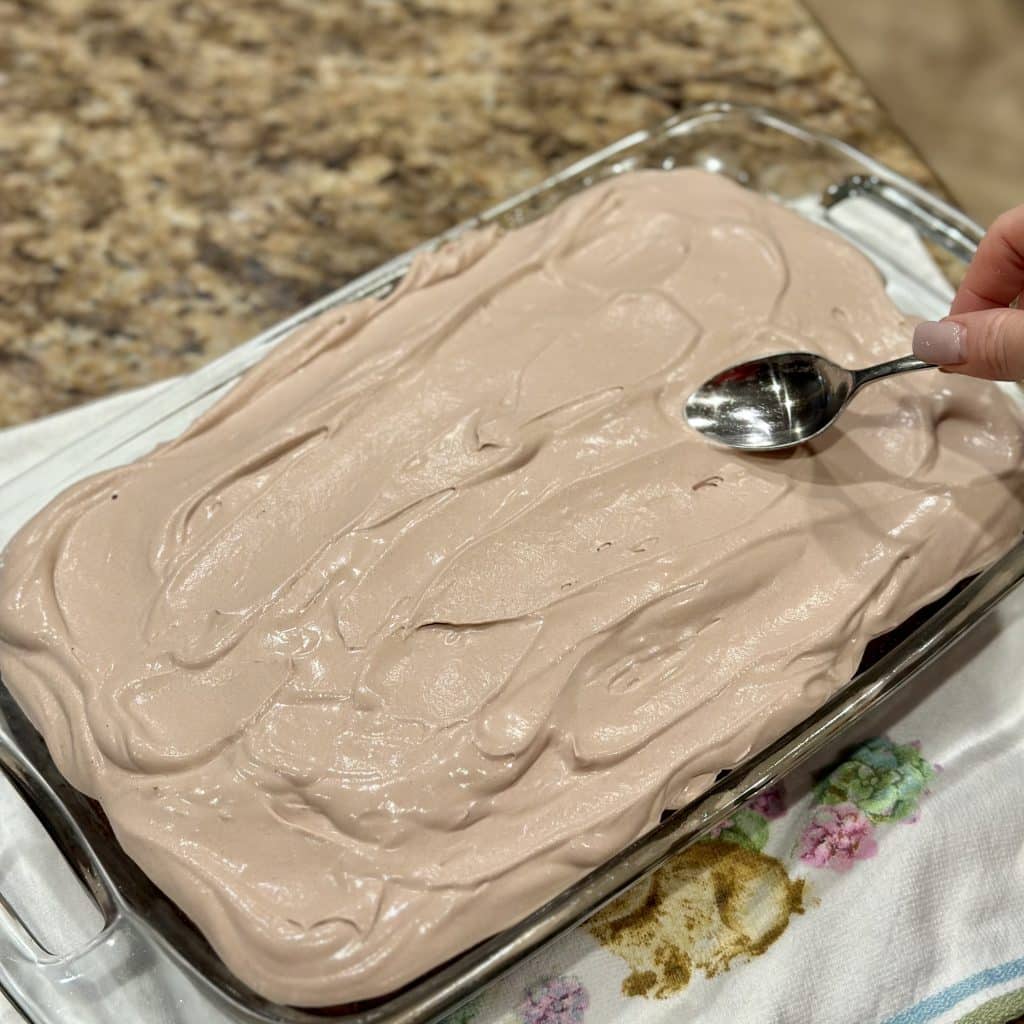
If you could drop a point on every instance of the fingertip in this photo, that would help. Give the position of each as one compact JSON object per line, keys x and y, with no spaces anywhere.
{"x":993,"y":343}
{"x":941,"y":343}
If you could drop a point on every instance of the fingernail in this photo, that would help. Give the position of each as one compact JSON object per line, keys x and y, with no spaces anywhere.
{"x":940,"y":343}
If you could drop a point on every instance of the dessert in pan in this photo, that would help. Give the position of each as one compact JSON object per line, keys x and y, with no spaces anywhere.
{"x":443,"y":604}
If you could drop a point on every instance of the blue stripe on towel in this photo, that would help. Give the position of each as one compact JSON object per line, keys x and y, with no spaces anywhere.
{"x":945,"y":1000}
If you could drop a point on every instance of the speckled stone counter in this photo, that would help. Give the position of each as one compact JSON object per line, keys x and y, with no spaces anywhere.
{"x":176,"y":176}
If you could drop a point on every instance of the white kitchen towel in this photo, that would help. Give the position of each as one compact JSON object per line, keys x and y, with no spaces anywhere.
{"x":883,"y":883}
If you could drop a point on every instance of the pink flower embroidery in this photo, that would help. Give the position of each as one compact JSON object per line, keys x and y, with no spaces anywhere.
{"x":770,"y":802}
{"x":837,"y":835}
{"x":561,"y":1000}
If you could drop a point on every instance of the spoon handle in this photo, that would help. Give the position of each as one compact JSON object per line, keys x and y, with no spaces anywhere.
{"x":905,"y":364}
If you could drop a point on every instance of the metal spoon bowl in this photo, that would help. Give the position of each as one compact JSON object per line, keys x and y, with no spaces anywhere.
{"x":781,"y":401}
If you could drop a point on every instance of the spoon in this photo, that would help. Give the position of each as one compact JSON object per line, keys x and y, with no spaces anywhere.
{"x":781,"y":401}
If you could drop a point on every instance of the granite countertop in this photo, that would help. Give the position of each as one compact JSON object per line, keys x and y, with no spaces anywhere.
{"x":176,"y":176}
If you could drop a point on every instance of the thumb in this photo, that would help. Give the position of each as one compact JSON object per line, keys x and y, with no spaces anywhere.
{"x":988,"y":343}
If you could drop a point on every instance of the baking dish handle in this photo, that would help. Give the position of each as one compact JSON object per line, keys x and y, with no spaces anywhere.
{"x":85,"y":986}
{"x":117,"y":970}
{"x":77,"y":985}
{"x":933,"y":218}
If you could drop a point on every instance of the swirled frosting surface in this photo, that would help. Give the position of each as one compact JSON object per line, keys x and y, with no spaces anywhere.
{"x":443,"y":604}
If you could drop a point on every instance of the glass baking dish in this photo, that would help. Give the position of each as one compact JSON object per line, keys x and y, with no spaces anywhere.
{"x":143,"y":933}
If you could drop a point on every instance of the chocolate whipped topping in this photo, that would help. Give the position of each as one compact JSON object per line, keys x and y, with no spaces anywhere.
{"x":444,"y":604}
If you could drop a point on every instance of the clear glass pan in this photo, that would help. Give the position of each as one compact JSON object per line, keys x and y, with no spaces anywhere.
{"x":818,"y":176}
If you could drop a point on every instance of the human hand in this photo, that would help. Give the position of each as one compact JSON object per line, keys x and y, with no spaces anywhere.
{"x":983,"y":336}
